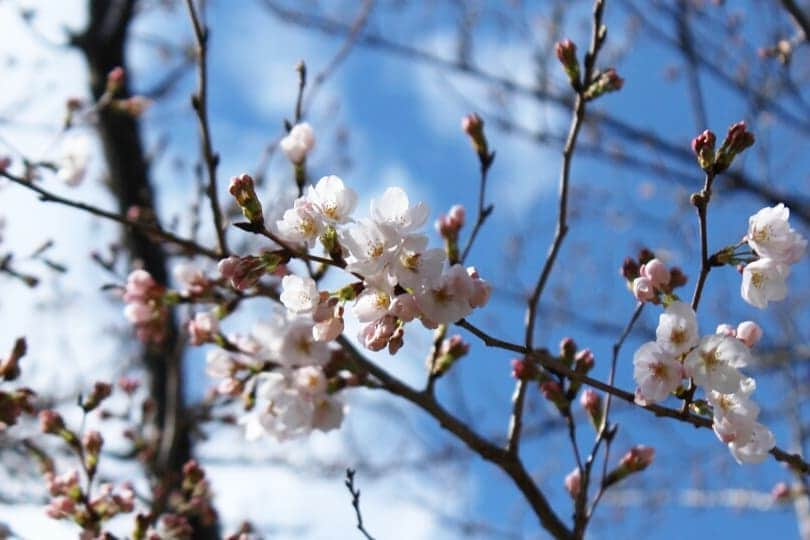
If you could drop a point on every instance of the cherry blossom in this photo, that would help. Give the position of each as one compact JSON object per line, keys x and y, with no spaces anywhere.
{"x":756,"y":449}
{"x":448,"y":299}
{"x":771,"y":236}
{"x":656,"y":371}
{"x":714,"y":363}
{"x":301,"y":223}
{"x":394,"y":210}
{"x":298,"y":143}
{"x":333,"y":201}
{"x":677,"y":330}
{"x":72,"y":166}
{"x":299,"y":294}
{"x":764,"y":281}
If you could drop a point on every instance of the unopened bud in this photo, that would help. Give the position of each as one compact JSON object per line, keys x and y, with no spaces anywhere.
{"x":607,"y":81}
{"x":100,"y":392}
{"x":567,"y":55}
{"x":473,"y":126}
{"x":115,"y":80}
{"x":737,"y":140}
{"x":630,"y":269}
{"x":703,"y":147}
{"x":50,"y":422}
{"x":10,"y":366}
{"x":749,"y":333}
{"x":243,"y":191}
{"x":592,"y":403}
{"x":568,"y":349}
{"x":573,"y":483}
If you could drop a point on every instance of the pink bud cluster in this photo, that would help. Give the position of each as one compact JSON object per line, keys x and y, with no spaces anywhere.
{"x":649,"y":279}
{"x":145,"y":306}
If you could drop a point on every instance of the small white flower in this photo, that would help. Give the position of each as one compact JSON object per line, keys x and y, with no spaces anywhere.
{"x":415,"y":265}
{"x":371,"y":245}
{"x":394,"y":209}
{"x":310,"y":381}
{"x":656,"y":371}
{"x":371,"y":304}
{"x":771,"y":236}
{"x":328,"y":414}
{"x":735,"y":416}
{"x":298,"y":143}
{"x":448,"y":299}
{"x":763,"y":281}
{"x":332,"y":199}
{"x":756,"y":449}
{"x":219,"y":364}
{"x":298,"y":347}
{"x":301,"y":223}
{"x":677,"y":330}
{"x":299,"y":294}
{"x":75,"y":158}
{"x":714,"y":363}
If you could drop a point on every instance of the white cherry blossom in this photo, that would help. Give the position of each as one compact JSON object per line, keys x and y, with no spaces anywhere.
{"x":771,"y":236}
{"x":301,"y":223}
{"x":677,"y":330}
{"x":299,"y":294}
{"x":394,"y":210}
{"x":763,"y":281}
{"x":448,"y":299}
{"x":371,"y":304}
{"x":756,"y":449}
{"x":371,"y":246}
{"x":332,"y":199}
{"x":735,"y":416}
{"x":714,"y":363}
{"x":298,"y":143}
{"x":656,"y":371}
{"x":414,"y":264}
{"x":72,"y":165}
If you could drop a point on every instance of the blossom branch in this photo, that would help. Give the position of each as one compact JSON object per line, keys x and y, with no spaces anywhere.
{"x":507,"y":462}
{"x":577,"y":117}
{"x":795,"y":461}
{"x":200,"y":103}
{"x":47,"y":196}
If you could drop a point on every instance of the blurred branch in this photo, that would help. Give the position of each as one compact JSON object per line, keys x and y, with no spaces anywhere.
{"x":200,"y":103}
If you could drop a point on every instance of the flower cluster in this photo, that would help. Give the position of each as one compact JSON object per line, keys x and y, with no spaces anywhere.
{"x":284,"y":375}
{"x":146,"y":307}
{"x":713,"y":363}
{"x":402,"y":278}
{"x":649,"y":279}
{"x":778,"y":246}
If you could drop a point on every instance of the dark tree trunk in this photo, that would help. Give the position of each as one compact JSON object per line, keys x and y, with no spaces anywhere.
{"x":103,"y":44}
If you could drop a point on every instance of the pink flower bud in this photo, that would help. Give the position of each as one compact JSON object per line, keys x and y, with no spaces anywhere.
{"x":656,"y":271}
{"x":397,"y":340}
{"x":457,"y":215}
{"x":749,"y":333}
{"x":375,"y":335}
{"x":566,"y":52}
{"x":115,"y":79}
{"x":202,"y":328}
{"x":60,"y":507}
{"x":573,"y":483}
{"x":129,"y":385}
{"x":472,"y":124}
{"x":50,"y":421}
{"x":551,"y":390}
{"x":583,"y":361}
{"x":726,"y":330}
{"x":643,"y":289}
{"x":637,"y":458}
{"x":780,"y":492}
{"x":591,"y":401}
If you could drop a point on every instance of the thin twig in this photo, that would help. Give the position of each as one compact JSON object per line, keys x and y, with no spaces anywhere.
{"x":148,"y":228}
{"x":484,"y":210}
{"x":577,"y":117}
{"x":355,"y":493}
{"x":200,"y":103}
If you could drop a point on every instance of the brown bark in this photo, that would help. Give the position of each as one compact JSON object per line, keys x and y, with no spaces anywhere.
{"x":103,"y":44}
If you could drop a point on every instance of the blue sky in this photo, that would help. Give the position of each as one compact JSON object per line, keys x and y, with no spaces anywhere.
{"x":402,"y":120}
